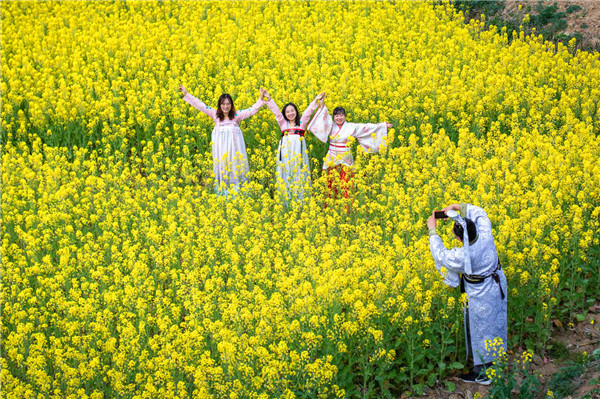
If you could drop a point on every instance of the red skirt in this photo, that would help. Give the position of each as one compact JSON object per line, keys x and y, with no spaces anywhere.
{"x":339,"y":181}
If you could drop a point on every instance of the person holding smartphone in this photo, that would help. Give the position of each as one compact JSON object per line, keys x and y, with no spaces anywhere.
{"x":476,"y":268}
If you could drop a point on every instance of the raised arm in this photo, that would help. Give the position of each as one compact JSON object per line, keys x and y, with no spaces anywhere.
{"x":448,"y":262}
{"x":305,"y":118}
{"x":452,"y":259}
{"x":199,"y":105}
{"x":371,"y":135}
{"x":274,"y":109}
{"x":248,"y":112}
{"x":321,"y":124}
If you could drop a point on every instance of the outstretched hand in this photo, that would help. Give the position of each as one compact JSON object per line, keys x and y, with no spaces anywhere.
{"x":389,"y":125}
{"x":320,"y":96}
{"x":183,"y":90}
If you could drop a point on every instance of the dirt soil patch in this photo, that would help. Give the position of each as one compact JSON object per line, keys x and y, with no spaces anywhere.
{"x":585,"y":20}
{"x":556,"y":20}
{"x":577,"y":338}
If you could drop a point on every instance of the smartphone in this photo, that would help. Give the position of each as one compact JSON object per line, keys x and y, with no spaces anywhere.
{"x":440,"y":215}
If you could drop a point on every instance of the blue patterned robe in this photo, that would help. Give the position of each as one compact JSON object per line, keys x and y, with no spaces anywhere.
{"x":486,"y":310}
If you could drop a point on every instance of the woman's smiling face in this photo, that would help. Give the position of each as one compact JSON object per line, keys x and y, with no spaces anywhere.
{"x":226,"y":106}
{"x":339,"y":118}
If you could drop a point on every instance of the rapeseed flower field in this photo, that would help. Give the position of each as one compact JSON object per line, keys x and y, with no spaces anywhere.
{"x":124,"y":275}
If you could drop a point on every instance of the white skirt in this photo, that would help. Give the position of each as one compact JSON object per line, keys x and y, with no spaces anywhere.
{"x":293,"y":168}
{"x":230,"y":160}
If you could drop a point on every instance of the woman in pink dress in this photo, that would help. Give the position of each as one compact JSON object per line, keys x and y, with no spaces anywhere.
{"x":293,"y":167}
{"x":230,"y":161}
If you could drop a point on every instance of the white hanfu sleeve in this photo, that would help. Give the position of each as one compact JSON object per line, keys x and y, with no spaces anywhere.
{"x":321,"y":124}
{"x":305,"y":118}
{"x":450,"y":259}
{"x":370,"y":135}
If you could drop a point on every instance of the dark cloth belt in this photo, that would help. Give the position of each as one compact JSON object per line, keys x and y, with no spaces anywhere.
{"x":474,"y":279}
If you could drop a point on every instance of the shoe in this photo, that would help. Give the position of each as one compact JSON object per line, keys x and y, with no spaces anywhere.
{"x":477,"y":378}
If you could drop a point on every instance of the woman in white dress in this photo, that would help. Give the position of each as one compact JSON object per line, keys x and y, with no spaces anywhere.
{"x":230,"y":161}
{"x":293,"y":167}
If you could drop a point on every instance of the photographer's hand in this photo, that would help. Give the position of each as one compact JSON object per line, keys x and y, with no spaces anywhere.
{"x":431,"y":221}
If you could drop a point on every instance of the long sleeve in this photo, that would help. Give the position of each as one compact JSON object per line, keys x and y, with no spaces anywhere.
{"x":364,"y":134}
{"x":278,"y":115}
{"x":248,"y":112}
{"x":199,"y":105}
{"x":450,"y":259}
{"x":305,"y":118}
{"x":321,"y":124}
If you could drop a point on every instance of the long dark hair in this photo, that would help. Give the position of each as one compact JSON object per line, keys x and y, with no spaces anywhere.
{"x":297,"y":120}
{"x":231,"y":113}
{"x":471,"y":230}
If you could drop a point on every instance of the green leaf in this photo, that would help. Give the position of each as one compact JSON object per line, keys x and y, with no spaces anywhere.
{"x":450,"y":386}
{"x":457,"y":365}
{"x":442,"y":366}
{"x":431,"y":380}
{"x":418,"y":357}
{"x":418,"y":389}
{"x":580,"y":317}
